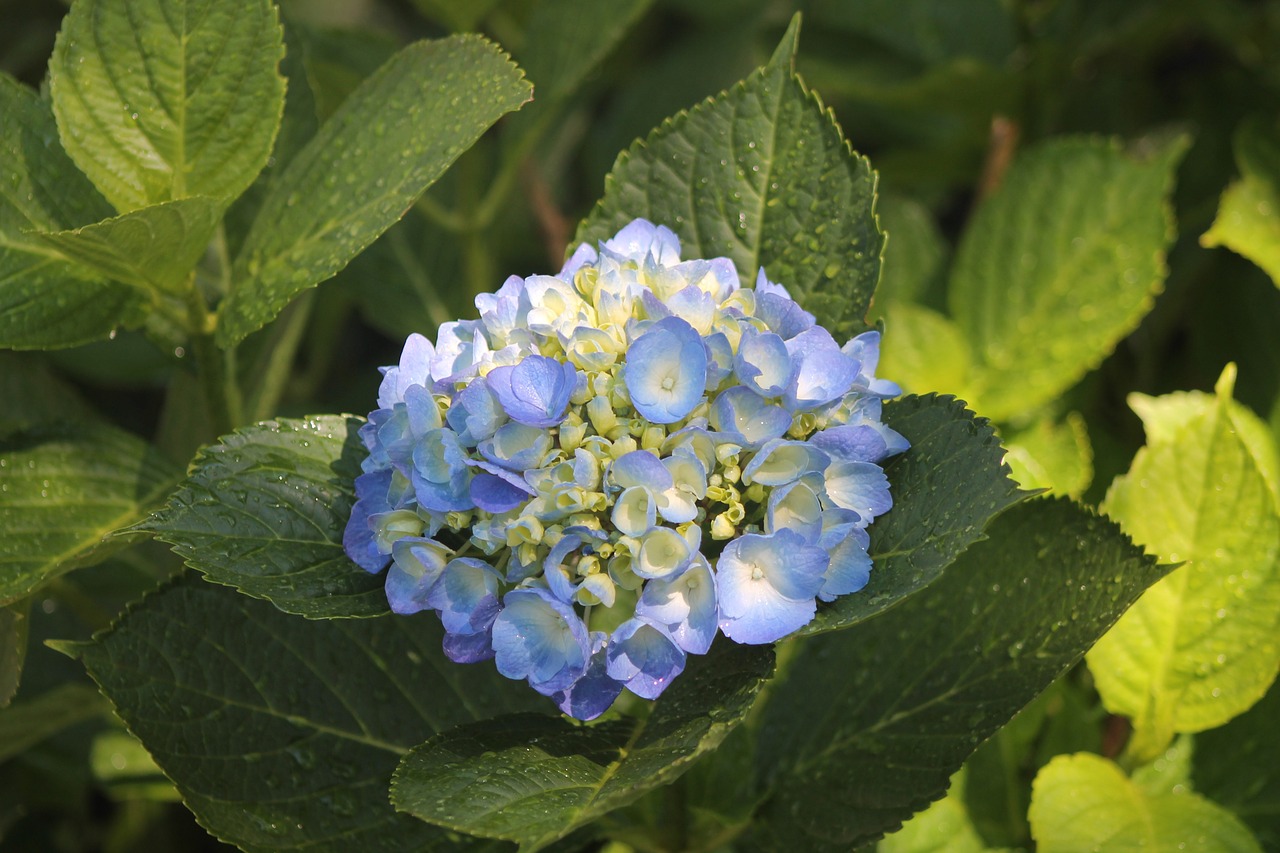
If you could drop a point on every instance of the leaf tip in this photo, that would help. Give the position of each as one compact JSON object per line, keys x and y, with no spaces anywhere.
{"x":785,"y":52}
{"x":73,"y":649}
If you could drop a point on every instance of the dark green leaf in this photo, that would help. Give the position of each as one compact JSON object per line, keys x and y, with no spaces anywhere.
{"x":29,"y":721}
{"x":45,"y":301}
{"x":35,"y":394}
{"x":945,"y":489}
{"x":866,"y":725}
{"x":1238,"y":766}
{"x":13,"y":648}
{"x":125,"y":768}
{"x":160,"y":100}
{"x":928,"y":31}
{"x":535,"y":779}
{"x":760,"y":174}
{"x":1060,"y":264}
{"x":153,"y":248}
{"x":63,"y":490}
{"x":264,"y":511}
{"x":282,"y":733}
{"x":389,"y":141}
{"x":566,"y":39}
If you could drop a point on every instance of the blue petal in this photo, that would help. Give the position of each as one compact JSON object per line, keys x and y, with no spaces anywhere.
{"x":415,"y":568}
{"x":357,"y":537}
{"x":494,"y":493}
{"x":747,"y":419}
{"x":763,"y":363}
{"x":686,"y":606}
{"x":441,"y":476}
{"x":414,"y":369}
{"x":466,"y":596}
{"x":666,"y":371}
{"x":468,"y":648}
{"x":767,"y":585}
{"x":644,"y":658}
{"x":641,"y":468}
{"x":852,"y":443}
{"x":641,"y":239}
{"x":517,"y":447}
{"x":536,"y":391}
{"x":475,"y":413}
{"x":859,"y":486}
{"x":780,"y":461}
{"x":541,"y":639}
{"x":593,"y":693}
{"x":824,"y":373}
{"x":849,"y":570}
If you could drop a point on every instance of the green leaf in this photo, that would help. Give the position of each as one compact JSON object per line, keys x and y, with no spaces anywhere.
{"x":27,"y":722}
{"x":264,"y":511}
{"x":13,"y":648}
{"x":761,"y":174}
{"x":924,"y":351}
{"x":35,"y":394}
{"x":153,"y":248}
{"x":45,"y":301}
{"x":126,"y":769}
{"x":1060,"y":264}
{"x":1052,"y":455}
{"x":945,"y":489}
{"x":1084,"y":802}
{"x":915,"y":251}
{"x":159,"y":100}
{"x":566,"y":39}
{"x":928,"y":31}
{"x":1248,"y":221}
{"x":389,"y":141}
{"x":63,"y":490}
{"x":865,"y":726}
{"x":944,"y":827}
{"x":282,"y":733}
{"x":1201,"y":646}
{"x":534,"y":779}
{"x":1238,"y":767}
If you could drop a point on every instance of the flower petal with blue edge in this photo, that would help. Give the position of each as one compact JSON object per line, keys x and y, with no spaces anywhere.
{"x":415,"y":568}
{"x":593,"y":693}
{"x":763,"y":363}
{"x":414,"y":369}
{"x":743,"y":415}
{"x":859,"y":486}
{"x":685,"y":605}
{"x":850,"y":567}
{"x":441,"y":477}
{"x":541,"y":639}
{"x":641,"y":239}
{"x":823,"y":374}
{"x":358,"y":540}
{"x":466,"y":595}
{"x":767,"y":585}
{"x":780,"y":462}
{"x":666,"y":371}
{"x":536,"y":391}
{"x":643,"y":657}
{"x":468,"y":648}
{"x":476,"y":413}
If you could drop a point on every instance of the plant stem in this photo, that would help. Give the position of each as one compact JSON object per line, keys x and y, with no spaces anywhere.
{"x":215,"y":367}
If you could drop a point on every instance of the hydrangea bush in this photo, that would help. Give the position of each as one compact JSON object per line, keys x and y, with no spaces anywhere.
{"x":586,"y":476}
{"x":616,"y":462}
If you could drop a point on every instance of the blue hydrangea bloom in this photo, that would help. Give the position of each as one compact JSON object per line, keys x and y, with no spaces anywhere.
{"x":614,"y":464}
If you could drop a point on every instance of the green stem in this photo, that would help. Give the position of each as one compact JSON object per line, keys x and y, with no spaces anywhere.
{"x":215,"y":367}
{"x":275,"y":365}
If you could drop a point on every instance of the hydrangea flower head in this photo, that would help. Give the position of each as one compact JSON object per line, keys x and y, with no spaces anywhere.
{"x":616,"y":463}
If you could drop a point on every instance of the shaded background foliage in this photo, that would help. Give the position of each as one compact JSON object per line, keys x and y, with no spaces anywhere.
{"x":941,"y":96}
